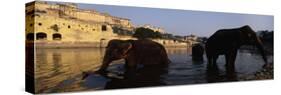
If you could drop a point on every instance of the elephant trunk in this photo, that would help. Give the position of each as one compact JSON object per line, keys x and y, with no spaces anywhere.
{"x":105,"y":64}
{"x":261,"y":50}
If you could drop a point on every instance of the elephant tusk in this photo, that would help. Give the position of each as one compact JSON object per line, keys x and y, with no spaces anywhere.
{"x":127,"y":50}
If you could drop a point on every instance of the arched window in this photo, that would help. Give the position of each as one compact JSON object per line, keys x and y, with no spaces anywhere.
{"x":41,"y":36}
{"x":30,"y":36}
{"x":57,"y":36}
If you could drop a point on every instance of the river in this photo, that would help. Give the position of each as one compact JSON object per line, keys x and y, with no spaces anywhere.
{"x":60,"y":70}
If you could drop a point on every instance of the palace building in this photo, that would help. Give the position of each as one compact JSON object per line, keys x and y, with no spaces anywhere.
{"x":52,"y":24}
{"x":48,"y":22}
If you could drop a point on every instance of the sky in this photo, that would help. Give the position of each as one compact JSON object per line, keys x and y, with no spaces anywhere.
{"x":185,"y":22}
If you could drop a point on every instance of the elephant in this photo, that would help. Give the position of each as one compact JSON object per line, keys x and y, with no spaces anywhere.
{"x":227,"y":42}
{"x":144,"y":52}
{"x":197,"y":52}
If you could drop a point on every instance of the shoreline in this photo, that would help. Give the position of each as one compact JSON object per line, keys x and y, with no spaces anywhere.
{"x":84,"y":45}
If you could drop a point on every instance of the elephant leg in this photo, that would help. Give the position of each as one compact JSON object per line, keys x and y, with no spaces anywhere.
{"x":212,"y":63}
{"x":215,"y":66}
{"x":230,"y":61}
{"x":130,"y":71}
{"x":212,"y":69}
{"x":230,"y":66}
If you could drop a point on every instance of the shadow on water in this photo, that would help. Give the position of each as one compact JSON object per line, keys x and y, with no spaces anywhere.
{"x":146,"y":76}
{"x":213,"y":74}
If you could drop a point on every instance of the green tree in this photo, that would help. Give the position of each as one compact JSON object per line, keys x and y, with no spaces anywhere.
{"x":142,"y":33}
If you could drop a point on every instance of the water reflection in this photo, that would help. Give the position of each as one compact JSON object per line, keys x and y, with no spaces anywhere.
{"x":59,"y":70}
{"x":57,"y":66}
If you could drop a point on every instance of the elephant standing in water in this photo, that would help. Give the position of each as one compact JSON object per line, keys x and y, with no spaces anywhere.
{"x":135,"y":52}
{"x":197,"y":52}
{"x":227,"y":42}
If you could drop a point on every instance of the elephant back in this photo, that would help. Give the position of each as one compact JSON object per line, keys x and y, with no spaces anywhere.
{"x":150,"y":52}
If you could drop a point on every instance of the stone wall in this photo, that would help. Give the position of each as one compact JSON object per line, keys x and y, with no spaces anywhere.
{"x":65,"y":25}
{"x":46,"y":23}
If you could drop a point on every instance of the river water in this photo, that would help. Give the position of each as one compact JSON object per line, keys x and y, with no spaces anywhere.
{"x":60,"y":70}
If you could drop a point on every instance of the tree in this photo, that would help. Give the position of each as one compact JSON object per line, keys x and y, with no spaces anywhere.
{"x":143,"y":33}
{"x":121,"y":31}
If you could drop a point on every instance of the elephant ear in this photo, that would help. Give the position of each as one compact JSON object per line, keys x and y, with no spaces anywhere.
{"x":125,"y":47}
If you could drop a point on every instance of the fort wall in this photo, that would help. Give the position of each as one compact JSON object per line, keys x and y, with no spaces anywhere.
{"x":65,"y":25}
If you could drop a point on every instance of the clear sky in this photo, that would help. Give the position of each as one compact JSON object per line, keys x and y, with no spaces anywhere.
{"x":185,"y":22}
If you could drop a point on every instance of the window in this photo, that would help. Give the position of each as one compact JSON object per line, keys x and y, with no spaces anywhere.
{"x":57,"y":36}
{"x":33,"y":15}
{"x":41,"y":36}
{"x":30,"y":24}
{"x":39,"y":24}
{"x":30,"y":36}
{"x":69,"y":26}
{"x":103,"y":28}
